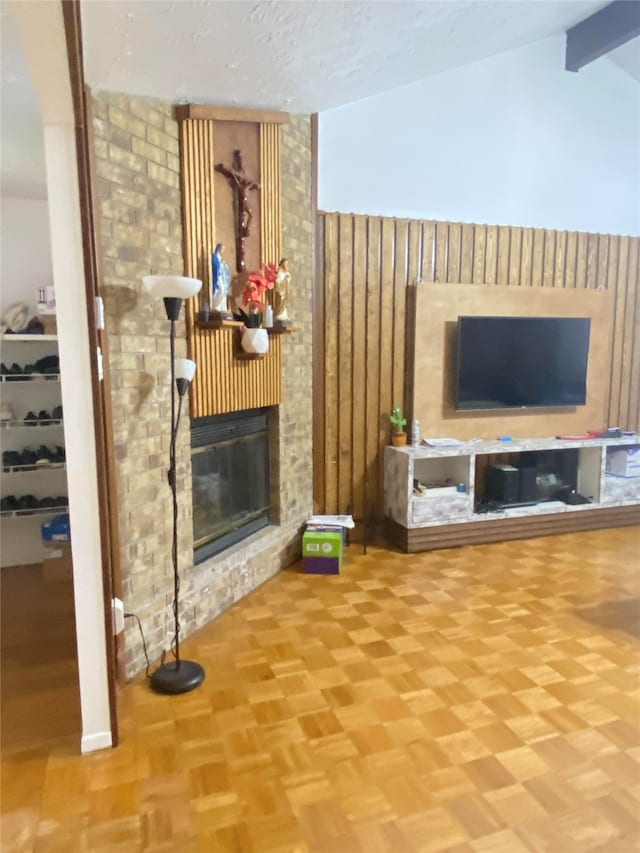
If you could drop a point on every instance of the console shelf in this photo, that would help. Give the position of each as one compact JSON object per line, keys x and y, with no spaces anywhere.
{"x":451,"y":508}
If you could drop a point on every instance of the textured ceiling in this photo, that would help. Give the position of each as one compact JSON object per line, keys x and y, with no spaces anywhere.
{"x":305,"y":55}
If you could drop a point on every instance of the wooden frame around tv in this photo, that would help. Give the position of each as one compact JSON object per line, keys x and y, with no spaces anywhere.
{"x":432,"y":365}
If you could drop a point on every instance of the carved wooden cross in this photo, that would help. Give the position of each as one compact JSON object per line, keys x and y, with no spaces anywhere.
{"x":240,"y":186}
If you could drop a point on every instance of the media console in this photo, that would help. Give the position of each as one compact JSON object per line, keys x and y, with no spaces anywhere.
{"x":451,"y":508}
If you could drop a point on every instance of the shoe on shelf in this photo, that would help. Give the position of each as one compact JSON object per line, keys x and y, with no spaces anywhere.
{"x":6,"y":412}
{"x":43,"y":455}
{"x":31,"y":419}
{"x":9,"y":504}
{"x":4,"y":370}
{"x":61,"y":500}
{"x":28,"y":459}
{"x":56,"y":414}
{"x":15,"y":373}
{"x":58,"y":454}
{"x":11,"y":459}
{"x":29,"y":370}
{"x":26,"y":503}
{"x":43,"y":415}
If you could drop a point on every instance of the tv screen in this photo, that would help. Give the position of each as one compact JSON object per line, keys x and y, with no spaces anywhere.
{"x":521,"y":362}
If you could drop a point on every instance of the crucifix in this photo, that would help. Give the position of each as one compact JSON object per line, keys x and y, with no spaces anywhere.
{"x":240,"y":186}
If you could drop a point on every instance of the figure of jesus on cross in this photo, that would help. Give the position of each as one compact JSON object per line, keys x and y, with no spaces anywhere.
{"x":240,"y":186}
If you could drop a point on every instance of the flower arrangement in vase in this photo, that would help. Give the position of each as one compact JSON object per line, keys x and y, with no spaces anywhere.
{"x":254,"y":338}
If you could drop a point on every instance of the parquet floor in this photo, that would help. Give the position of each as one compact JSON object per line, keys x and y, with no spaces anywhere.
{"x":477,"y":699}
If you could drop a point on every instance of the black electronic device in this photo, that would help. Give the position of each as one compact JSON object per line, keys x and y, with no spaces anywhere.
{"x":521,"y":362}
{"x":502,"y":485}
{"x":528,"y":487}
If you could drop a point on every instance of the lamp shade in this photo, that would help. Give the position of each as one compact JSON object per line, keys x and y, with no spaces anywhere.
{"x":172,"y":286}
{"x":184,"y":368}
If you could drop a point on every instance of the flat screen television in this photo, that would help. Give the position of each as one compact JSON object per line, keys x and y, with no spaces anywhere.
{"x":521,"y":362}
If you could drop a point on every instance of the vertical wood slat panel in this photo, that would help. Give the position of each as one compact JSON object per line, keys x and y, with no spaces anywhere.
{"x":627,"y":391}
{"x":466,"y":254}
{"x":222,"y":382}
{"x":345,"y":359}
{"x":618,"y":330}
{"x":491,"y":255}
{"x":270,"y":236}
{"x":399,"y":307}
{"x":521,"y":257}
{"x":479,"y":248}
{"x":331,"y":333}
{"x":549,"y":259}
{"x":372,"y":375}
{"x":359,"y":365}
{"x":385,"y":351}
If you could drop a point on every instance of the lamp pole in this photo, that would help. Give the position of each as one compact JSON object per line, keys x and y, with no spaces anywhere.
{"x":177,"y":676}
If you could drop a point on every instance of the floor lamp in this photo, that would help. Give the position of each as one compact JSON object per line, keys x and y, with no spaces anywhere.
{"x":177,"y":676}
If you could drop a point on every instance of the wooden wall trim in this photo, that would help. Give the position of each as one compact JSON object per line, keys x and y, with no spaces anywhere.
{"x":212,"y":113}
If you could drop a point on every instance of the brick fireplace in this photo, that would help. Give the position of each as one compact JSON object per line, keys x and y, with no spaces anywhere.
{"x":140,"y":203}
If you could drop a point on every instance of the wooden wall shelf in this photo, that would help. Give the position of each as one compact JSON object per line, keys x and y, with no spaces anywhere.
{"x":250,"y":356}
{"x":274,"y":330}
{"x":219,"y":324}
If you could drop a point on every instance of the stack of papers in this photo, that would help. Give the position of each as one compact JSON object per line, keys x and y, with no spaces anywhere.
{"x":333,"y":520}
{"x":441,"y":442}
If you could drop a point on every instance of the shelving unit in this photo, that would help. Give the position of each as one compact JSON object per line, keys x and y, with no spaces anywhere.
{"x":447,"y":514}
{"x":21,"y":536}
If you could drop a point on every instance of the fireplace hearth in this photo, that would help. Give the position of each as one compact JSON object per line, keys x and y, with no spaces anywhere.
{"x":230,"y":472}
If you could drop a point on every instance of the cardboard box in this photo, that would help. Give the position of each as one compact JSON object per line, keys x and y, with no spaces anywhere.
{"x":322,"y":550}
{"x":623,"y":462}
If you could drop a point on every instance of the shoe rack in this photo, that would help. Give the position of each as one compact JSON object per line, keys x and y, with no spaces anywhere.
{"x":34,"y":481}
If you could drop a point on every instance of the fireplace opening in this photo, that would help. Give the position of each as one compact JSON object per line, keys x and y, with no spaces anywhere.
{"x":230,"y":472}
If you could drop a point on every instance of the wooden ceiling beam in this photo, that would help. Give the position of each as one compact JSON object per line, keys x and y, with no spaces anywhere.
{"x":204,"y":111}
{"x":605,"y":30}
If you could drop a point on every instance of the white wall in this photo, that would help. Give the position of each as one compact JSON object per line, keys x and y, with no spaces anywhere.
{"x":25,"y":245}
{"x":511,"y":140}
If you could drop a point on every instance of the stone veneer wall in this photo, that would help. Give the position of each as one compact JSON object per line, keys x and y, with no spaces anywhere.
{"x":137,"y":165}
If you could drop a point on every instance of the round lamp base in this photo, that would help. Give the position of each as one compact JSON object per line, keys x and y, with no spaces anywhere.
{"x":177,"y":677}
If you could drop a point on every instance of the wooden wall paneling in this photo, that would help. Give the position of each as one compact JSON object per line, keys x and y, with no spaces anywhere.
{"x":319,"y":322}
{"x":454,"y":254}
{"x":441,"y":252}
{"x":466,"y":253}
{"x":270,"y":216}
{"x":491,"y":255}
{"x":386,"y":355}
{"x":331,"y":332}
{"x":504,"y":246}
{"x":359,"y":327}
{"x":537,"y":258}
{"x":554,"y":260}
{"x":372,"y":375}
{"x":346,"y":308}
{"x":619,"y":310}
{"x":399,"y":310}
{"x":549,"y":259}
{"x":515,"y":256}
{"x":479,"y":248}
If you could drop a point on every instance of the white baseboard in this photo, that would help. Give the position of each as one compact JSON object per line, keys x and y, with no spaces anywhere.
{"x":99,"y":740}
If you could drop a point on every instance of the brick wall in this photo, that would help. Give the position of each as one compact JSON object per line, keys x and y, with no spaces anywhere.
{"x":136,"y":142}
